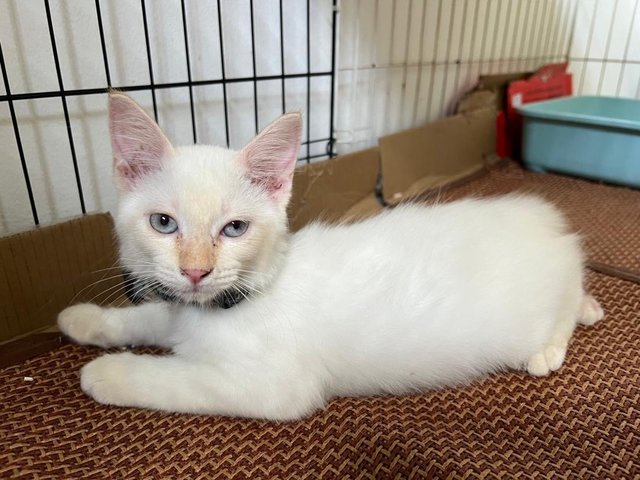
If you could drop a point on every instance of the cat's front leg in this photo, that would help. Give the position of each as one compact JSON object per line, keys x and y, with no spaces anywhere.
{"x":89,"y":324}
{"x":175,"y":384}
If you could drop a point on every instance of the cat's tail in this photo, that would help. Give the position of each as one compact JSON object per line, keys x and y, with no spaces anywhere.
{"x":590,"y":311}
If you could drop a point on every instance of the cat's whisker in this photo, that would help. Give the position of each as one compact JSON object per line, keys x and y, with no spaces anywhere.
{"x":103,"y":279}
{"x":238,"y":289}
{"x":89,"y":287}
{"x":121,"y":285}
{"x":134,"y":262}
{"x":105,"y":291}
{"x":120,"y":301}
{"x":121,"y":259}
{"x":138,"y":295}
{"x":112,"y":277}
{"x":252,"y":272}
{"x":248,"y":281}
{"x":114,"y":267}
{"x":249,"y":288}
{"x":123,"y":298}
{"x":226,"y":295}
{"x":115,"y":290}
{"x":144,"y":280}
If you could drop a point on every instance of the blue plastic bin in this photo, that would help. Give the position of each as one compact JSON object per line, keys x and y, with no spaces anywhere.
{"x":594,"y":137}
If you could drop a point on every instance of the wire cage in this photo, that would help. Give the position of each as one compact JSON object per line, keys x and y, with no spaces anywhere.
{"x":403,"y":63}
{"x":217,"y":71}
{"x":292,"y":87}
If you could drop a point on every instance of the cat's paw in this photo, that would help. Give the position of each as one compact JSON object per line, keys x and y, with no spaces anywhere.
{"x":542,"y":364}
{"x":86,"y":324}
{"x":105,"y":379}
{"x":591,"y":312}
{"x":537,"y":365}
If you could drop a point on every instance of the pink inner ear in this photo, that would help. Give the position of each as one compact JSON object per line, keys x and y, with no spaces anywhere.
{"x":139,"y":146}
{"x":271,"y":157}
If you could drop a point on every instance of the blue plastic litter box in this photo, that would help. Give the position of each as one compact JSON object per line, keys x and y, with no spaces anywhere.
{"x":594,"y":137}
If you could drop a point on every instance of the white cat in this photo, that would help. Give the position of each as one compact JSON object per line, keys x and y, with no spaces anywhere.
{"x":414,"y":298}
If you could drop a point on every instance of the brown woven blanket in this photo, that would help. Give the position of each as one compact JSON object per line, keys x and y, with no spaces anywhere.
{"x":581,"y":422}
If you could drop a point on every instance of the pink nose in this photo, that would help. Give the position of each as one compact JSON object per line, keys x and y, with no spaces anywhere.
{"x":195,"y":274}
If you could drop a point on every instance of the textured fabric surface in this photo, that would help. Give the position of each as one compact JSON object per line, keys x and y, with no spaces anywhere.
{"x":608,"y":217}
{"x":581,"y":422}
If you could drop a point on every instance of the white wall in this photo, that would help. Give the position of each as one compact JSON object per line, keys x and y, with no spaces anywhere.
{"x":401,"y":63}
{"x":605,"y":52}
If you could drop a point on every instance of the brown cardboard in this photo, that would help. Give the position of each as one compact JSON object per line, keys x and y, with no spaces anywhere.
{"x":490,"y":91}
{"x":436,"y":153}
{"x":366,"y":207}
{"x":501,"y":80}
{"x":476,"y":100}
{"x":334,"y":189}
{"x":498,"y":84}
{"x":46,"y":269}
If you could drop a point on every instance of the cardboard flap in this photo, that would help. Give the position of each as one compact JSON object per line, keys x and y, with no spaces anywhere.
{"x":46,"y":269}
{"x":436,"y":152}
{"x":328,"y":190}
{"x":367,"y":207}
{"x":500,"y":81}
{"x":427,"y":185}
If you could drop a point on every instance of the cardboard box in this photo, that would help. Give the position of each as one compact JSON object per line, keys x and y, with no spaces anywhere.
{"x":420,"y":159}
{"x":49,"y":268}
{"x":337,"y":189}
{"x":491,"y":91}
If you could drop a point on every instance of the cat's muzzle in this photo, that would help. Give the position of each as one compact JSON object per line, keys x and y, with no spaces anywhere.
{"x":139,"y":290}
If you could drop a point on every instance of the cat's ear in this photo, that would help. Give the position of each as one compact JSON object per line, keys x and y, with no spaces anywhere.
{"x":139,"y":146}
{"x":270,"y":158}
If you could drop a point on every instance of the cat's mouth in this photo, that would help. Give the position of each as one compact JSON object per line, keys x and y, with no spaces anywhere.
{"x":225,"y":298}
{"x":139,"y":290}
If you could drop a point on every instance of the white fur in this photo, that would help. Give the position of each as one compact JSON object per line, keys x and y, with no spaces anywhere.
{"x":416,"y":297}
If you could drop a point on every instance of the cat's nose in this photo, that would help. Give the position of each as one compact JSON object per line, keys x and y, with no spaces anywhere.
{"x":195,"y":274}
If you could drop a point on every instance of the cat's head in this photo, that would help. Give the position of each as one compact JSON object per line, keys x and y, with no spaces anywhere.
{"x":200,"y":224}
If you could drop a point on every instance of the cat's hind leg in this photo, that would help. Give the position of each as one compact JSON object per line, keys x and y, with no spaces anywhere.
{"x":590,"y":311}
{"x":89,"y":324}
{"x":552,"y":357}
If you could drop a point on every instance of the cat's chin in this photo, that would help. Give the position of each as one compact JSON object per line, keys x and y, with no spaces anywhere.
{"x":139,"y":291}
{"x":220,"y":298}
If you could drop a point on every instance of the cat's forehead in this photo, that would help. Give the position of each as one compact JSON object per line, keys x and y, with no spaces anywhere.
{"x":193,"y":158}
{"x":201,"y":167}
{"x":205,"y":180}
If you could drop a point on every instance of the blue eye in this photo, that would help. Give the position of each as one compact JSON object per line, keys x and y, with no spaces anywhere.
{"x":163,"y":223}
{"x":235,"y":228}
